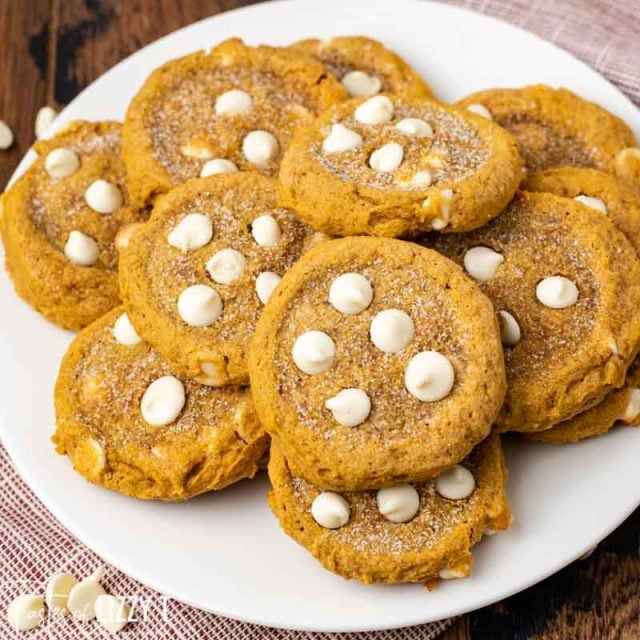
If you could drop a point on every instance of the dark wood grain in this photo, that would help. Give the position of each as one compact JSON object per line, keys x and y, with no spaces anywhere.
{"x":51,"y":49}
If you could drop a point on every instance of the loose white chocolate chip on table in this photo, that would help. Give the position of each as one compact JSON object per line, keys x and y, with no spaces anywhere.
{"x":429,"y":376}
{"x":226,"y":265}
{"x":260,"y":148}
{"x":83,"y":596}
{"x":112,"y":613}
{"x":509,"y":329}
{"x":451,"y":574}
{"x":376,"y":110}
{"x":313,"y":352}
{"x":162,"y":401}
{"x":217,"y":166}
{"x":81,"y":249}
{"x":557,"y":292}
{"x":340,"y":139}
{"x":387,"y":158}
{"x":415,"y":127}
{"x":6,"y":135}
{"x":330,"y":510}
{"x":632,"y":410}
{"x":350,"y":293}
{"x":124,"y":332}
{"x":266,"y":282}
{"x":594,"y":203}
{"x":198,"y":150}
{"x":456,"y":483}
{"x":266,"y":231}
{"x":232,"y":103}
{"x":194,"y":231}
{"x":26,"y":612}
{"x":44,"y":118}
{"x":350,"y":407}
{"x":61,"y":163}
{"x":398,"y":504}
{"x":361,"y":84}
{"x":482,"y":263}
{"x":199,"y":305}
{"x":103,"y":196}
{"x":480,"y":110}
{"x":391,"y":330}
{"x":57,"y":592}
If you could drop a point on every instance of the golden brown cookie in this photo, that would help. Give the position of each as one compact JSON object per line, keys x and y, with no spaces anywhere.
{"x":194,"y":279}
{"x":232,"y":107}
{"x":391,"y":166}
{"x":376,"y":361}
{"x":129,"y":424}
{"x":407,"y":533}
{"x":60,"y":220}
{"x":566,"y":284}
{"x":365,"y":66}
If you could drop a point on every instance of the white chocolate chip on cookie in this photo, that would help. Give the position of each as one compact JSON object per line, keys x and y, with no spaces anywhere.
{"x":593,"y":203}
{"x":194,"y":231}
{"x":341,"y":139}
{"x":260,"y":148}
{"x":509,"y":329}
{"x":482,"y":263}
{"x":456,"y":483}
{"x":361,"y":84}
{"x":415,"y":127}
{"x":266,"y":282}
{"x":398,"y":504}
{"x":162,"y":401}
{"x":61,"y":163}
{"x":81,"y":249}
{"x":232,"y":103}
{"x":350,"y":407}
{"x":391,"y":330}
{"x":216,"y":166}
{"x":350,"y":293}
{"x":557,"y":292}
{"x":480,"y":110}
{"x":199,"y":305}
{"x":376,"y":110}
{"x":429,"y":376}
{"x":266,"y":231}
{"x":313,"y":352}
{"x":387,"y":158}
{"x":330,"y":510}
{"x":632,"y":410}
{"x":124,"y":332}
{"x":103,"y":196}
{"x":226,"y":265}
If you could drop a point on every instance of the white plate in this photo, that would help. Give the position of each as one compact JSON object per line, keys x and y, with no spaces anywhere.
{"x":225,"y":553}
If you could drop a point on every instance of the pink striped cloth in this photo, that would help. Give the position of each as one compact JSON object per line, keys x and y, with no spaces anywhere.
{"x":33,"y":546}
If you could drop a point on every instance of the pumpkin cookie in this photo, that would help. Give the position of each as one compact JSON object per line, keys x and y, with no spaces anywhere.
{"x":376,"y":361}
{"x":233,"y":107}
{"x":365,"y":67}
{"x":390,"y":166}
{"x":194,"y":279}
{"x":405,"y":533}
{"x":60,"y":220}
{"x":566,"y":285}
{"x":127,"y":423}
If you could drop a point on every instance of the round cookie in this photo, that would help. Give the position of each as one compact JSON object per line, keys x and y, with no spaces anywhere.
{"x":390,"y":166}
{"x":193,"y":278}
{"x":123,"y":423}
{"x":376,"y":361}
{"x":433,"y":543}
{"x":566,"y":285}
{"x":60,"y":220}
{"x":231,"y":107}
{"x":365,"y":66}
{"x":555,"y":127}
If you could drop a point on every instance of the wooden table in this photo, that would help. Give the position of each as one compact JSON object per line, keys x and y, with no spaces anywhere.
{"x":51,"y":49}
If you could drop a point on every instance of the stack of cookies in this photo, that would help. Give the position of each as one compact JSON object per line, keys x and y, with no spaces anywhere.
{"x":232,"y":256}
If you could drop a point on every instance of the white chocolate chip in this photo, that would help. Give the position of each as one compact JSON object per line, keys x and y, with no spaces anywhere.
{"x":61,"y":163}
{"x":340,"y":139}
{"x":391,"y":330}
{"x":628,"y":152}
{"x":194,"y":231}
{"x":199,"y":305}
{"x":480,"y":110}
{"x":350,"y":407}
{"x":112,"y":613}
{"x":482,"y":263}
{"x":455,"y":483}
{"x":451,"y":574}
{"x":439,"y":223}
{"x":509,"y":329}
{"x":632,"y":410}
{"x":313,"y":352}
{"x":260,"y":147}
{"x":162,"y":401}
{"x":83,"y":596}
{"x":103,"y":196}
{"x":594,"y":203}
{"x":57,"y":592}
{"x":429,"y":376}
{"x":81,"y":249}
{"x":25,"y":612}
{"x":330,"y":510}
{"x":232,"y":103}
{"x":226,"y":265}
{"x":557,"y":292}
{"x":415,"y":127}
{"x":398,"y":504}
{"x":387,"y":158}
{"x":376,"y":110}
{"x":266,"y":231}
{"x":217,"y":166}
{"x":196,"y":149}
{"x":266,"y":282}
{"x":360,"y":84}
{"x":124,"y":332}
{"x":6,"y":135}
{"x":421,"y":179}
{"x":350,"y":293}
{"x":613,"y":346}
{"x":44,"y":118}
